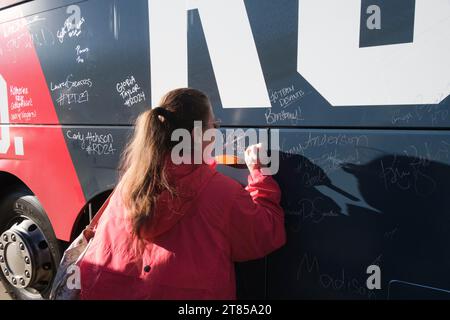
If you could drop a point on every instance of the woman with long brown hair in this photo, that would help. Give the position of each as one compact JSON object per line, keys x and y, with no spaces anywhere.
{"x":173,"y":231}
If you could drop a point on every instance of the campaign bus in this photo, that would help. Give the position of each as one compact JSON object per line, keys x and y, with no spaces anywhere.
{"x":356,"y":91}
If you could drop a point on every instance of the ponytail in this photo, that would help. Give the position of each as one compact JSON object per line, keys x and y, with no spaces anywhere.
{"x":142,"y":171}
{"x":144,"y":177}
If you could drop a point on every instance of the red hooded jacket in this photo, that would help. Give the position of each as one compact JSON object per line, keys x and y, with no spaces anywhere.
{"x":193,"y":241}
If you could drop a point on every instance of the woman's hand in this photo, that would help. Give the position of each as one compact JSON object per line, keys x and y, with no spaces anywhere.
{"x":251,"y":156}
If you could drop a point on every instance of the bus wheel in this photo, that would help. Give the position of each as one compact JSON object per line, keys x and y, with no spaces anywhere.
{"x":29,"y":250}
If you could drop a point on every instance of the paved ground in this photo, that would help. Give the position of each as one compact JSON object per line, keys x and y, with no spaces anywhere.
{"x":3,"y":295}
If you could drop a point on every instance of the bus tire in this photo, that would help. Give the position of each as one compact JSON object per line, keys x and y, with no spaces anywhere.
{"x":29,"y":250}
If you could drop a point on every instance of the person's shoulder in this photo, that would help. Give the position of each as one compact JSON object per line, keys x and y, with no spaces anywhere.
{"x":225,"y":182}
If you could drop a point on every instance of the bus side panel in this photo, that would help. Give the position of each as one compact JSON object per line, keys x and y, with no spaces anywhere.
{"x":38,"y":155}
{"x":356,"y":198}
{"x":96,"y":151}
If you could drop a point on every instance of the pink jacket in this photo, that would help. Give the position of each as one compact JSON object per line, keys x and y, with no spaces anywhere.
{"x":193,"y":242}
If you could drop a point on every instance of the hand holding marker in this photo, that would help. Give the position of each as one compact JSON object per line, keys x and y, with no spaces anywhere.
{"x":252,"y":162}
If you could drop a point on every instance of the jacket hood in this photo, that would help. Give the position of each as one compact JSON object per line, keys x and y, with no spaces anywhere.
{"x":188,"y":180}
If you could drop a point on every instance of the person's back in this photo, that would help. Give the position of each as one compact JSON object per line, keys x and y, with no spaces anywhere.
{"x":186,"y":248}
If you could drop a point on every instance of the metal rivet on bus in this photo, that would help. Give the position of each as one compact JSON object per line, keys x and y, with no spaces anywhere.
{"x":1,"y":259}
{"x":27,"y":273}
{"x":6,"y":272}
{"x":21,"y":246}
{"x":14,"y":281}
{"x":13,"y":237}
{"x":5,"y":237}
{"x":22,"y":281}
{"x":27,"y":260}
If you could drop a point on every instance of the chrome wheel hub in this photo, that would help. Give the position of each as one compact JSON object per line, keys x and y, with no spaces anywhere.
{"x":25,"y":258}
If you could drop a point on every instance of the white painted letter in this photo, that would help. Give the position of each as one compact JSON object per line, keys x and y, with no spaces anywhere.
{"x":4,"y":117}
{"x":231,"y":46}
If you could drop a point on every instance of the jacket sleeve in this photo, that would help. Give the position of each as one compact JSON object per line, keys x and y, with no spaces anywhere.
{"x":256,"y":225}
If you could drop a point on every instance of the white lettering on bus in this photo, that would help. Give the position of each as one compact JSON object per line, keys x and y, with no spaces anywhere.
{"x":330,"y":58}
{"x":232,"y":50}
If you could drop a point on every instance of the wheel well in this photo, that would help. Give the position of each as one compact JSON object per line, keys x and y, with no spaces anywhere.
{"x":90,"y":208}
{"x":8,"y":182}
